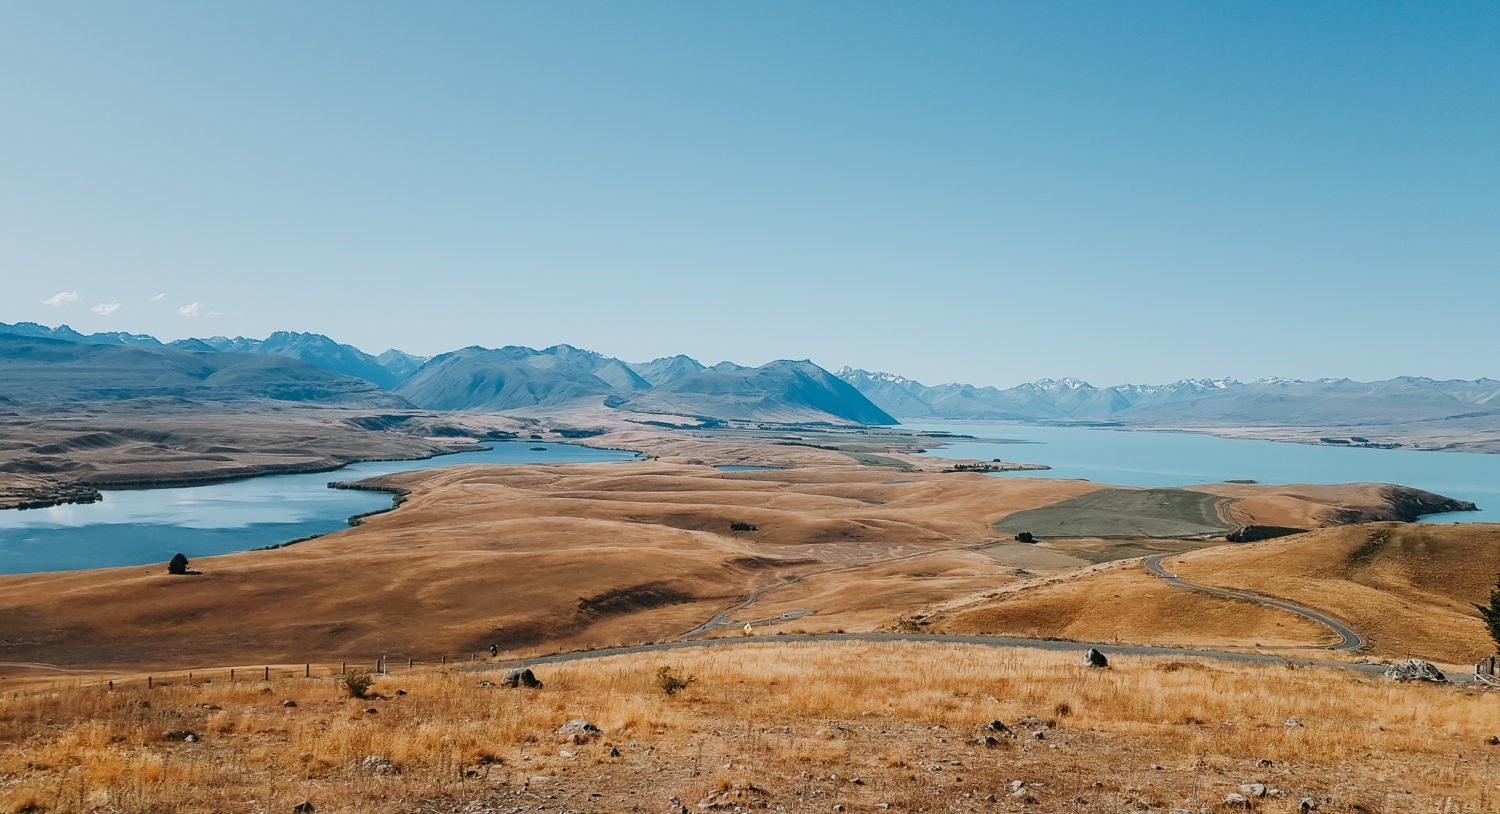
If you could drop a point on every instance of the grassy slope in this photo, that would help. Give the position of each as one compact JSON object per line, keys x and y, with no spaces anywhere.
{"x":1406,"y":587}
{"x":787,"y":726}
{"x":1122,"y":513}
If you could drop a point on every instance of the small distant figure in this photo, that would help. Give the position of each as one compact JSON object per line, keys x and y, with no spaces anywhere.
{"x":494,"y":650}
{"x":178,"y":565}
{"x":749,"y":631}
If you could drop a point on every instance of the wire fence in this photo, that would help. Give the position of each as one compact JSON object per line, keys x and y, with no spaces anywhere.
{"x":379,"y":666}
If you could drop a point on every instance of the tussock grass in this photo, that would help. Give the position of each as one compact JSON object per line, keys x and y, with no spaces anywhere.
{"x":787,"y":725}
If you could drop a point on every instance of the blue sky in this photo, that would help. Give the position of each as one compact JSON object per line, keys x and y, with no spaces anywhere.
{"x":981,"y":192}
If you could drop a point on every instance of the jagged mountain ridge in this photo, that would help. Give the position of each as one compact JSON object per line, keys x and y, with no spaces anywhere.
{"x":43,"y":372}
{"x":515,"y":377}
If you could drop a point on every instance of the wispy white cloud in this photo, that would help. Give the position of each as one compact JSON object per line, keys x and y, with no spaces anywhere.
{"x":192,"y":309}
{"x":104,"y":309}
{"x":159,"y":297}
{"x":61,"y":299}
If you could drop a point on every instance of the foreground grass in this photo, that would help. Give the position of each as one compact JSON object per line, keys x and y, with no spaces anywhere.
{"x":784,"y":727}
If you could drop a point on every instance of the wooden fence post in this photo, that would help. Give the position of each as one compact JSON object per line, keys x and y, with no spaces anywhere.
{"x":408,"y":663}
{"x":148,"y":682}
{"x":343,"y":665}
{"x":231,"y":673}
{"x":268,"y":673}
{"x":307,"y":671}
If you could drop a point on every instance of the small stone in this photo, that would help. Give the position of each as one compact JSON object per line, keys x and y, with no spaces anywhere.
{"x":1493,"y":740}
{"x":520,"y":677}
{"x":371,"y":710}
{"x":289,"y":703}
{"x":1236,"y":801}
{"x":838,"y":806}
{"x":485,"y":683}
{"x":1253,"y":789}
{"x":581,"y":730}
{"x":1264,"y":764}
{"x":181,"y":735}
{"x":987,"y":740}
{"x":401,"y":692}
{"x":303,"y":807}
{"x":1093,"y":658}
{"x":614,"y":751}
{"x":1291,"y":722}
{"x":1306,"y":804}
{"x":374,"y":764}
{"x":996,"y":727}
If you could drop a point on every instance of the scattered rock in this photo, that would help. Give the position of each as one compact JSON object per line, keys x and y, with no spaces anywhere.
{"x":1493,"y":740}
{"x":580,"y":729}
{"x":520,"y":677}
{"x":303,"y":807}
{"x":996,"y":727}
{"x":1236,"y":801}
{"x":614,"y":751}
{"x":1291,"y":722}
{"x":371,"y":710}
{"x":1253,"y":789}
{"x":181,"y":735}
{"x":401,"y":692}
{"x":1307,"y":804}
{"x":1263,"y":764}
{"x":1416,"y":670}
{"x":484,"y":683}
{"x":1093,"y":658}
{"x":289,"y":703}
{"x":1023,"y":723}
{"x":987,"y":740}
{"x":374,"y":764}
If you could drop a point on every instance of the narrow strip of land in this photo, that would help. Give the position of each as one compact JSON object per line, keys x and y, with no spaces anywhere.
{"x":1349,"y":641}
{"x":983,"y":641}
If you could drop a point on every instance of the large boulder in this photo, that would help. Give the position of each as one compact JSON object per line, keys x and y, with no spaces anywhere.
{"x":520,"y":677}
{"x":1416,"y":670}
{"x":1094,"y":658}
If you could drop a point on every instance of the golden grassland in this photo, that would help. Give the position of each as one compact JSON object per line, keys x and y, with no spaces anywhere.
{"x":556,"y":557}
{"x":1408,"y":588}
{"x":788,"y":727}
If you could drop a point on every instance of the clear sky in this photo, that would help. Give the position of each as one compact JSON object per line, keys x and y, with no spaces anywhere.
{"x":983,"y":192}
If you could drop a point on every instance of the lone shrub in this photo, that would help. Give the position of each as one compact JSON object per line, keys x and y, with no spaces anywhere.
{"x":672,"y":681}
{"x":178,"y":565}
{"x":357,"y":682}
{"x":738,"y":526}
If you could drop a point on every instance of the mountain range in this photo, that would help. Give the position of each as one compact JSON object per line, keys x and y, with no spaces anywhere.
{"x":117,"y":366}
{"x":1190,"y":402}
{"x":313,"y":367}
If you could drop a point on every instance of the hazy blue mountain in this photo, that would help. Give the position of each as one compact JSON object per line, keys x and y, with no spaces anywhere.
{"x":476,"y":378}
{"x":400,"y":364}
{"x":313,"y":348}
{"x":37,"y":371}
{"x":1207,"y":402}
{"x":779,"y":391}
{"x":667,"y":368}
{"x":66,"y":334}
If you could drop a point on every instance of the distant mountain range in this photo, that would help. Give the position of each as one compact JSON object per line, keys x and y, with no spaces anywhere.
{"x":1191,"y":402}
{"x":314,"y":367}
{"x":474,"y":378}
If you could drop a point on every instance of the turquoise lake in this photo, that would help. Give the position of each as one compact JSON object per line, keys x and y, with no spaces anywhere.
{"x":140,"y":526}
{"x":1135,"y":458}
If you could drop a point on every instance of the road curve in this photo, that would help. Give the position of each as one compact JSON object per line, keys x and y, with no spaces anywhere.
{"x":984,"y":641}
{"x":1349,"y":640}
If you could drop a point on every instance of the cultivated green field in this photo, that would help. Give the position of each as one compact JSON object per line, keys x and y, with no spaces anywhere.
{"x":1122,"y":513}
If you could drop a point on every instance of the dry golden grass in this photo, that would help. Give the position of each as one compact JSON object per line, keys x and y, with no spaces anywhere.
{"x":1121,"y":602}
{"x":790,"y":726}
{"x":1407,"y":587}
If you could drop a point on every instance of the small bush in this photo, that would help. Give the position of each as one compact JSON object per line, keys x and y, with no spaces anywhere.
{"x":357,"y":682}
{"x":178,"y":565}
{"x":672,"y":681}
{"x":738,"y":526}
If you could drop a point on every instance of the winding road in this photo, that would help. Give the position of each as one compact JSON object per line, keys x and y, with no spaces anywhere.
{"x":1349,"y":640}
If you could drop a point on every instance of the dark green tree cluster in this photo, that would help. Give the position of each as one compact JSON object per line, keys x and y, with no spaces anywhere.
{"x":1491,"y":614}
